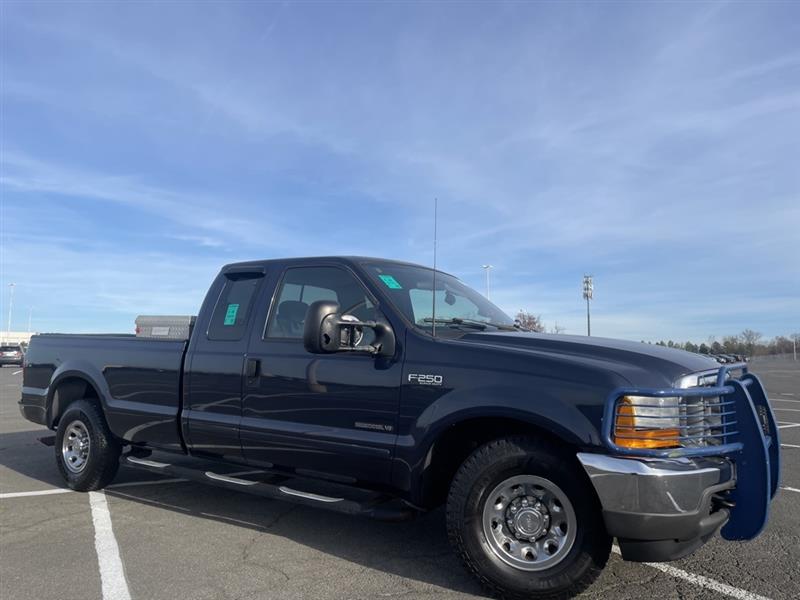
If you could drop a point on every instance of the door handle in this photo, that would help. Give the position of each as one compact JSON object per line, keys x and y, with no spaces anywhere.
{"x":251,"y":368}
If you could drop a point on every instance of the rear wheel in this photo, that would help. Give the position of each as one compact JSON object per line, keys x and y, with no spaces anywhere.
{"x":520,"y":518}
{"x":87,"y":454}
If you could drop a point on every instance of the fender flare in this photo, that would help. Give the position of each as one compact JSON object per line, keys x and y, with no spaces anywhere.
{"x":75,"y":369}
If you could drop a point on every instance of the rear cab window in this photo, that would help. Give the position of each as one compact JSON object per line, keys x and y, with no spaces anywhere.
{"x":229,"y":319}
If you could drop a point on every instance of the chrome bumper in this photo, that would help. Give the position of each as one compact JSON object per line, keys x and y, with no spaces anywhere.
{"x":660,"y":509}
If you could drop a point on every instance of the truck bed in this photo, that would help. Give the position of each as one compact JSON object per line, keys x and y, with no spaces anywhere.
{"x":140,"y":378}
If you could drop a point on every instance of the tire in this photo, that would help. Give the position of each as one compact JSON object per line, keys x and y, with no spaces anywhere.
{"x":522,"y":520}
{"x":87,"y":454}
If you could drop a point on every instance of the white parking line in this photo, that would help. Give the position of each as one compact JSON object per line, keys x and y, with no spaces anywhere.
{"x":110,"y":487}
{"x":705,"y":582}
{"x":785,"y":400}
{"x":17,"y":372}
{"x":112,"y":573}
{"x":67,"y":490}
{"x":787,"y":409}
{"x":787,"y":394}
{"x":37,"y":493}
{"x":788,"y":425}
{"x":789,"y":446}
{"x":791,"y":489}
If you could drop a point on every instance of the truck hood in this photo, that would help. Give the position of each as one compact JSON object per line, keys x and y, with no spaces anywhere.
{"x":641,"y":364}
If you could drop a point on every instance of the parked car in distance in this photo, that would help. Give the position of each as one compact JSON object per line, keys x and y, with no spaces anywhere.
{"x":11,"y":355}
{"x":384,"y":389}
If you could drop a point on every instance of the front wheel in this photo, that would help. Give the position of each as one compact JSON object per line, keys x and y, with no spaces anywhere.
{"x":87,"y":454}
{"x":521,"y":519}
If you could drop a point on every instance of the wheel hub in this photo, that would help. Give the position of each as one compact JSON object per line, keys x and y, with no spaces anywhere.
{"x":527,"y":518}
{"x":75,"y":446}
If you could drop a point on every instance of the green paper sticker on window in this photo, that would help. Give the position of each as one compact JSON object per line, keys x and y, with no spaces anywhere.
{"x":391,"y":282}
{"x":230,"y":316}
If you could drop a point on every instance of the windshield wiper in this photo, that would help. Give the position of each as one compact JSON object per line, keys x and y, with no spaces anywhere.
{"x":458,"y":321}
{"x":508,"y":327}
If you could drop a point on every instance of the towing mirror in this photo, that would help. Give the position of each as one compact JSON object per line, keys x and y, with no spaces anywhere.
{"x":327,"y":331}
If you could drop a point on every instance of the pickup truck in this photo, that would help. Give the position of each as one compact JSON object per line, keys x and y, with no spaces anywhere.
{"x":384,"y":389}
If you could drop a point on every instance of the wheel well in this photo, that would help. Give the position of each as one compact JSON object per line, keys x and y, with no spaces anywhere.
{"x":68,"y":391}
{"x":457,"y":442}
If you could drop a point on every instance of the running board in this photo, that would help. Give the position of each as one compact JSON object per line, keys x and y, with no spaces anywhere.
{"x":228,"y":479}
{"x":309,"y":495}
{"x":143,"y":462}
{"x":335,"y":497}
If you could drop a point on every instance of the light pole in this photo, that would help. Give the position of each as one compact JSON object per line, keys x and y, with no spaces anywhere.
{"x":588,"y":294}
{"x":487,"y":268}
{"x":10,"y":305}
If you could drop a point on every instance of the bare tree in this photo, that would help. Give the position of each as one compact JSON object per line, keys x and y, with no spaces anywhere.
{"x":750,"y":339}
{"x":557,"y":329}
{"x":530,"y":321}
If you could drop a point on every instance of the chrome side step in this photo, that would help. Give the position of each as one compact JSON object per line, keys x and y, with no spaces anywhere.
{"x":228,"y":479}
{"x":308,"y":495}
{"x":283,"y":486}
{"x":147,"y":463}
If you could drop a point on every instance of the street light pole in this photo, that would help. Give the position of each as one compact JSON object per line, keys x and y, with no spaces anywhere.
{"x":487,"y":268}
{"x":588,"y":294}
{"x":10,"y":305}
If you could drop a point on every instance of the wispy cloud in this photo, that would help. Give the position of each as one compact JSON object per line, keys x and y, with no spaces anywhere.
{"x":24,"y":174}
{"x":201,"y":240}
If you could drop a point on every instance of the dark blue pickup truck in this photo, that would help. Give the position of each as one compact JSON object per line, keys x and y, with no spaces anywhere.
{"x":383,"y":389}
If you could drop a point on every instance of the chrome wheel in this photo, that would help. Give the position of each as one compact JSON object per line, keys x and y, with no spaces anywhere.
{"x":75,"y":446}
{"x":529,"y":523}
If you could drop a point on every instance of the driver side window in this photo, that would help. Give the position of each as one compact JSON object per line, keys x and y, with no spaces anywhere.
{"x":303,"y":285}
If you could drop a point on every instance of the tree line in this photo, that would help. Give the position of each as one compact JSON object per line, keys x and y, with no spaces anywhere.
{"x":748,"y":343}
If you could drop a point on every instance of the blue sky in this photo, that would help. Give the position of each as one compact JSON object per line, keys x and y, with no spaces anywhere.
{"x":655,"y":145}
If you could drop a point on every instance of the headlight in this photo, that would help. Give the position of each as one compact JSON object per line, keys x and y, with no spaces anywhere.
{"x":643,"y":422}
{"x":705,"y":379}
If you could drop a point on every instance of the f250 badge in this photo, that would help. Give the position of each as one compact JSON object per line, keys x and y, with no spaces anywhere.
{"x":425,"y":379}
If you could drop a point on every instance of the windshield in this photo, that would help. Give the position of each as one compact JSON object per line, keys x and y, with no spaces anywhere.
{"x":410,"y":289}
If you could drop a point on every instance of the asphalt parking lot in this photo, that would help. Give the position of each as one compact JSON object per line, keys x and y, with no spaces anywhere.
{"x":176,"y":539}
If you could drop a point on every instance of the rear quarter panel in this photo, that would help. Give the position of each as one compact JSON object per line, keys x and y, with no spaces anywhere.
{"x":138,"y":381}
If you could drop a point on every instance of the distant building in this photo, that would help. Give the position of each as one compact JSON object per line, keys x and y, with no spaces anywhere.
{"x":16,"y":337}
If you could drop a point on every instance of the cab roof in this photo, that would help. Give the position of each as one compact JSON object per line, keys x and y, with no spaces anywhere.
{"x":349,"y":260}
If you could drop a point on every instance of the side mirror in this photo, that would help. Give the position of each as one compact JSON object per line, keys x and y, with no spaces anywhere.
{"x":326,"y":331}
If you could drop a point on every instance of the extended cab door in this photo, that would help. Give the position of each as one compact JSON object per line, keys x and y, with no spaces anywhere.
{"x":215,"y":363}
{"x":332,"y":415}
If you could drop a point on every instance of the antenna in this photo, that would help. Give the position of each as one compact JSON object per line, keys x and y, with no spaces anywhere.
{"x":433,"y":294}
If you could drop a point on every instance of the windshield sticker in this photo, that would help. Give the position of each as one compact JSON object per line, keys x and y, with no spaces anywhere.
{"x":390,"y":282}
{"x":230,"y":316}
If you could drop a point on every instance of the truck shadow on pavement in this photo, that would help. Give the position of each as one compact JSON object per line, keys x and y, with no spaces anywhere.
{"x":416,"y":550}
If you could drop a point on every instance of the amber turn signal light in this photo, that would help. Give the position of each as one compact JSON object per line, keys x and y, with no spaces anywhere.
{"x":627,"y":435}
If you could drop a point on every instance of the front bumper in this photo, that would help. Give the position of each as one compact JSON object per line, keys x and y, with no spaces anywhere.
{"x":660,"y":509}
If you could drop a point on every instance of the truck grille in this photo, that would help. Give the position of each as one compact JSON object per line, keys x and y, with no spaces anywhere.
{"x":707,"y":420}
